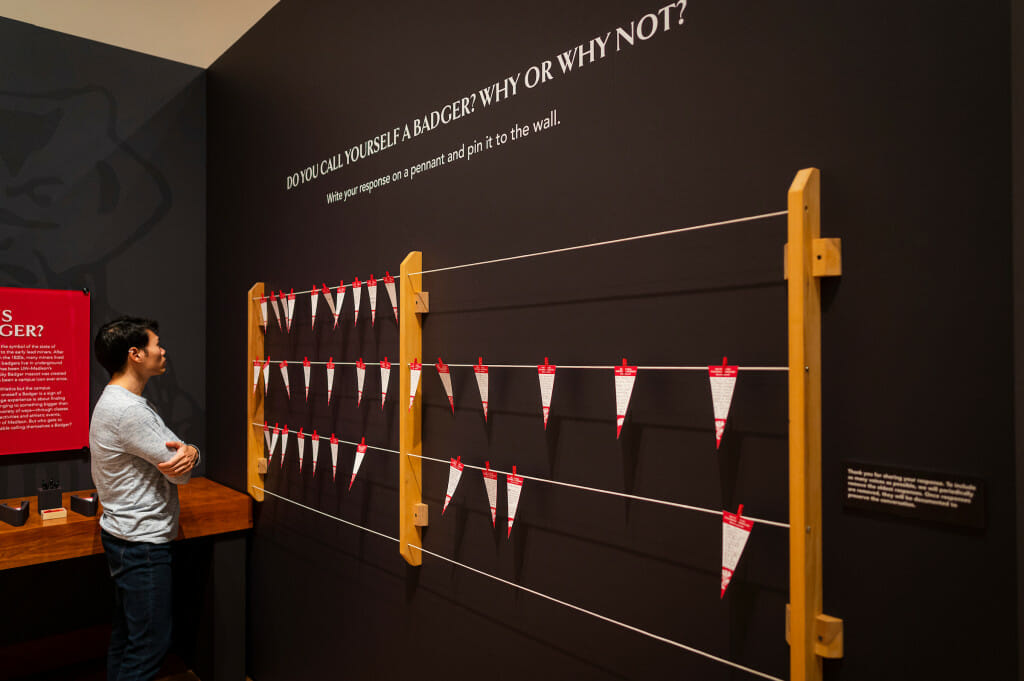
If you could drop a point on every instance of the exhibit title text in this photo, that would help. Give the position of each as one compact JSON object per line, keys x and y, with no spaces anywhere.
{"x":593,"y":50}
{"x":8,"y":329}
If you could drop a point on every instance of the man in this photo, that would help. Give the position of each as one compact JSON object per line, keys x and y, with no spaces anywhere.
{"x":136,"y":463}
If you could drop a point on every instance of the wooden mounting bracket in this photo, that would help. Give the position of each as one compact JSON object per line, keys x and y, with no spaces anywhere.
{"x":828,"y":635}
{"x":827,"y":257}
{"x":422,"y":302}
{"x":420,"y":515}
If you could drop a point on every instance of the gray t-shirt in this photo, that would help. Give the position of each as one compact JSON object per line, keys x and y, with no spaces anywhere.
{"x":127,"y":440}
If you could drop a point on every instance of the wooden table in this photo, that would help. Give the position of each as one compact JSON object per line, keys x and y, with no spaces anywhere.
{"x":206,"y":508}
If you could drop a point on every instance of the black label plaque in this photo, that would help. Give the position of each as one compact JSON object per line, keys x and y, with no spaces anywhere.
{"x":935,"y":497}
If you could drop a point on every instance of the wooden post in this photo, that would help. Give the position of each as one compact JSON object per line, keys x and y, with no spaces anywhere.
{"x":808,"y":257}
{"x":254,"y":412}
{"x":411,"y":510}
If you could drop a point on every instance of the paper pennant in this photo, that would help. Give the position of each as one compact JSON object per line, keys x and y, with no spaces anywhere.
{"x":305,"y":375}
{"x":415,"y":369}
{"x":357,"y":293}
{"x":360,"y":379}
{"x":625,"y":377}
{"x":266,"y":436}
{"x":266,"y":376}
{"x":546,"y":375}
{"x":334,"y":456}
{"x":283,"y":366}
{"x":284,"y":444}
{"x":446,"y":380}
{"x":454,"y":475}
{"x":339,"y":298}
{"x":255,"y":375}
{"x":385,"y":378}
{"x":513,"y":487}
{"x":302,"y":446}
{"x":273,"y":441}
{"x":371,"y":288}
{"x":315,"y":441}
{"x":290,"y":310}
{"x":723,"y":382}
{"x":314,"y":297}
{"x":330,"y":378}
{"x":360,"y":453}
{"x":735,"y":532}
{"x":480,"y":371}
{"x":263,"y":313}
{"x":389,"y":286}
{"x":491,"y":484}
{"x":330,"y":304}
{"x":277,"y":310}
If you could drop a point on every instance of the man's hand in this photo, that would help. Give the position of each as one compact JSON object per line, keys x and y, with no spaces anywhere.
{"x":182,"y":462}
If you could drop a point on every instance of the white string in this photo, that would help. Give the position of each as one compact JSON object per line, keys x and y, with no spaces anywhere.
{"x":606,"y":491}
{"x":606,"y":243}
{"x":327,"y":515}
{"x":651,"y":235}
{"x":600,"y":367}
{"x":577,"y":608}
{"x":571,"y":606}
{"x":549,"y":481}
{"x":344,"y":442}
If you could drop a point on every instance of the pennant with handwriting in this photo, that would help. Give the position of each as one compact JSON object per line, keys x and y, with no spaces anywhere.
{"x":454,"y":475}
{"x":446,"y":381}
{"x":480,"y":371}
{"x":513,"y":487}
{"x":625,"y":377}
{"x":546,"y":376}
{"x":735,"y":533}
{"x":723,"y":383}
{"x":491,"y":485}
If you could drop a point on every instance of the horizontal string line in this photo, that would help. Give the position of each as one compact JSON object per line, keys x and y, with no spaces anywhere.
{"x":600,"y":367}
{"x":549,"y":481}
{"x":605,"y":491}
{"x":539,"y":594}
{"x":651,"y":235}
{"x":604,"y":618}
{"x":328,"y":515}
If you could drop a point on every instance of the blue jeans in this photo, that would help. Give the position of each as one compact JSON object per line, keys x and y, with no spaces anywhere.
{"x":141,"y":633}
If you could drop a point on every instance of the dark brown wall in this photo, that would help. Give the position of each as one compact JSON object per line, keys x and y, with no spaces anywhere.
{"x":906,"y":112}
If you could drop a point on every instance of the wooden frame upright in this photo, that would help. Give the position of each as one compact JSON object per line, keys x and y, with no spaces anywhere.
{"x":412,"y":512}
{"x":256,"y":463}
{"x":811,"y":634}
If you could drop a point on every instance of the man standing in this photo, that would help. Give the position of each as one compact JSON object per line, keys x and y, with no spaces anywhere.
{"x":136,"y":463}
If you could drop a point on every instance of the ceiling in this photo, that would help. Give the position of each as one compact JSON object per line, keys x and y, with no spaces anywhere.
{"x":193,"y":32}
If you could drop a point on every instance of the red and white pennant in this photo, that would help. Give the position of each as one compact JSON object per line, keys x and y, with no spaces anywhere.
{"x":723,"y":383}
{"x":371,"y":288}
{"x":735,"y":533}
{"x":454,"y":475}
{"x":625,"y":377}
{"x":491,"y":485}
{"x":546,"y":376}
{"x":360,"y":453}
{"x":480,"y":371}
{"x":360,"y":380}
{"x":389,"y":286}
{"x":385,"y":378}
{"x":445,"y":375}
{"x":415,"y":371}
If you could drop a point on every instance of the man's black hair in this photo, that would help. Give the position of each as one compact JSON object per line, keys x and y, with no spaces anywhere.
{"x":116,"y":338}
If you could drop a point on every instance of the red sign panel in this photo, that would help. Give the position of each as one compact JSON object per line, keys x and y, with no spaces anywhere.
{"x":44,"y":370}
